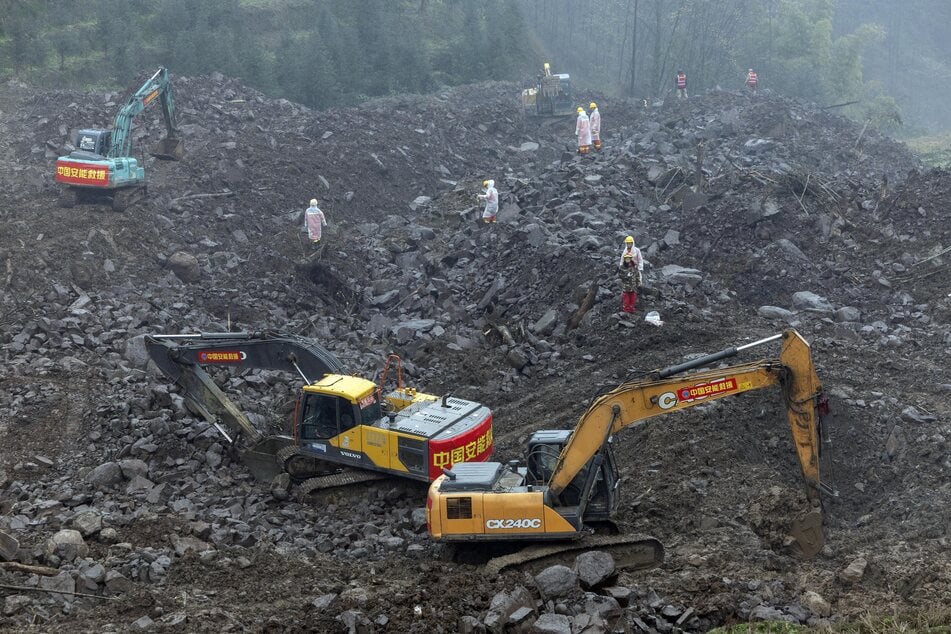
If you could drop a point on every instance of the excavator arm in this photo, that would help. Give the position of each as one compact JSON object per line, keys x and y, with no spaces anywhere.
{"x":158,"y":86}
{"x":181,"y":362}
{"x":663,"y":392}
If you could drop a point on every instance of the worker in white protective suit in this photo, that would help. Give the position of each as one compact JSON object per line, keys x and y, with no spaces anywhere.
{"x":315,"y":221}
{"x":595,"y":118}
{"x":633,"y":252}
{"x":583,"y":130}
{"x":491,"y":198}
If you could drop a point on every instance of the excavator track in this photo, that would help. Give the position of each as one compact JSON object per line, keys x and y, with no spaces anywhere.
{"x":302,"y":467}
{"x":332,"y":481}
{"x":630,"y":552}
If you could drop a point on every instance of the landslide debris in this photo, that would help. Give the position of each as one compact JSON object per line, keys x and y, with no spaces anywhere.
{"x":755,"y":214}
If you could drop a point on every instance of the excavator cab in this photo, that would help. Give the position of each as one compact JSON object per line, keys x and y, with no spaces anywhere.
{"x":599,"y":475}
{"x":95,"y":142}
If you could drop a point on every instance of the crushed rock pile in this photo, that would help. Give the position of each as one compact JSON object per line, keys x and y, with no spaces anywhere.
{"x":754,"y":214}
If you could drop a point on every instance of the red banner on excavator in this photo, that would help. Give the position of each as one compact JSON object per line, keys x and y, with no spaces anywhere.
{"x":76,"y":173}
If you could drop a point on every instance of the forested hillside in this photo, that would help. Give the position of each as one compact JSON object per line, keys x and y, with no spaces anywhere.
{"x":883,"y":59}
{"x":326,"y":53}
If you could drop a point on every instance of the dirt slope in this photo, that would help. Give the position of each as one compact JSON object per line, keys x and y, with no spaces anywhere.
{"x":792,"y":200}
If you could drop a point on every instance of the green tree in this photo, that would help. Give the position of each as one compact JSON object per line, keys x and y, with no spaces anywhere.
{"x":21,"y":26}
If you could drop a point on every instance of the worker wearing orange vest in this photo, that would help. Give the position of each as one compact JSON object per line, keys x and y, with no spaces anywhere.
{"x":751,"y":80}
{"x":681,"y":85}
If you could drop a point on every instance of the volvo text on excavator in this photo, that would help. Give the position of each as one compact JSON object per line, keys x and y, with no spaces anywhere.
{"x":569,"y":483}
{"x":102,"y":168}
{"x":340,"y":420}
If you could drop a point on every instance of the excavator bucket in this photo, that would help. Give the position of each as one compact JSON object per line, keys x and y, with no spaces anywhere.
{"x":261,"y":459}
{"x":806,"y":532}
{"x":170,"y":149}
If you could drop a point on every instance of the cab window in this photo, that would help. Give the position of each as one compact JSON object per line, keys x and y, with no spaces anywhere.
{"x":370,"y":410}
{"x":325,"y":416}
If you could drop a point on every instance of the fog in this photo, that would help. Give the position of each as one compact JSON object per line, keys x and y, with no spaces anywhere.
{"x":887,"y":59}
{"x":891,"y":57}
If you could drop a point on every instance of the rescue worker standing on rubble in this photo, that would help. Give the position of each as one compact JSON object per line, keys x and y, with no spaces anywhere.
{"x":630,"y":282}
{"x":583,"y":130}
{"x":491,"y":198}
{"x":751,"y":80}
{"x":681,"y":85}
{"x":631,"y":267}
{"x":595,"y":120}
{"x":314,"y":220}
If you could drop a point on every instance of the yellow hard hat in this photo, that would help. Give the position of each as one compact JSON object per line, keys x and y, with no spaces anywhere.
{"x":628,"y":256}
{"x":629,"y":240}
{"x":485,"y":183}
{"x":593,"y":105}
{"x":580,"y":109}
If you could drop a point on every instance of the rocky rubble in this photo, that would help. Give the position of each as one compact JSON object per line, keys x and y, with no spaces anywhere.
{"x":754,"y":215}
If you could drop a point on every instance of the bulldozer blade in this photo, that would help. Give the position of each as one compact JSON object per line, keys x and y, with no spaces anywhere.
{"x":806,"y":532}
{"x":261,"y":459}
{"x":170,"y":149}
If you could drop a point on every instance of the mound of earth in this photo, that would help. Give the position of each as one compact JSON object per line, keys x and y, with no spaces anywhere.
{"x":754,"y":215}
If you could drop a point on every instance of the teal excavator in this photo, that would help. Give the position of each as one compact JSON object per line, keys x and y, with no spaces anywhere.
{"x":101,"y":168}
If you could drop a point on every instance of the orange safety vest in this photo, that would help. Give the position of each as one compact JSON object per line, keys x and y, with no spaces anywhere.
{"x":681,"y":80}
{"x":750,"y":79}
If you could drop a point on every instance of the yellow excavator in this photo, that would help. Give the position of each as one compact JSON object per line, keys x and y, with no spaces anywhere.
{"x":345,"y":428}
{"x":568,"y":486}
{"x":549,"y":96}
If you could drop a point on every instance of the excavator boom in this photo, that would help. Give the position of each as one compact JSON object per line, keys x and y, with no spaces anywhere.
{"x":183,"y":362}
{"x":158,"y":86}
{"x":634,"y":402}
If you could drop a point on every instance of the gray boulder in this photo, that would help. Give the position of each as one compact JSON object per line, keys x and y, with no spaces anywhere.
{"x":87,"y":523}
{"x":809,"y":301}
{"x":854,"y":572}
{"x":777,"y":313}
{"x":105,"y":475}
{"x":185,"y":266}
{"x":62,"y":584}
{"x":848,"y":314}
{"x":674,"y":274}
{"x":595,"y":569}
{"x":546,"y":323}
{"x":552,"y":624}
{"x":133,"y":467}
{"x":67,"y":544}
{"x":8,"y":547}
{"x":135,"y":352}
{"x":556,"y":581}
